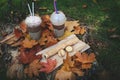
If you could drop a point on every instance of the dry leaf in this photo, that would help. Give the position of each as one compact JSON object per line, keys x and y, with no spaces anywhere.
{"x":67,"y":63}
{"x":26,"y":56}
{"x":29,"y":43}
{"x":51,"y":41}
{"x":70,"y":24}
{"x":64,"y":75}
{"x":44,"y":35}
{"x":85,"y":58}
{"x":48,"y":66}
{"x":33,"y":68}
{"x":47,"y":38}
{"x":66,"y":34}
{"x":79,"y":30}
{"x":18,"y":33}
{"x":77,"y":71}
{"x":83,"y":30}
{"x":23,"y":27}
{"x":46,"y":22}
{"x":45,"y":18}
{"x":86,"y":66}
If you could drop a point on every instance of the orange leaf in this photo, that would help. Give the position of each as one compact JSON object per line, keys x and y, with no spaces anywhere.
{"x":47,"y":38}
{"x":46,"y":18}
{"x":70,"y":25}
{"x":51,"y":41}
{"x":79,"y":30}
{"x":86,"y":66}
{"x":77,"y":71}
{"x":85,"y":58}
{"x":82,"y":31}
{"x":48,"y":66}
{"x":65,"y":75}
{"x":67,"y":63}
{"x":33,"y":68}
{"x":27,"y":56}
{"x":28,"y":43}
{"x":23,"y":27}
{"x":17,"y":33}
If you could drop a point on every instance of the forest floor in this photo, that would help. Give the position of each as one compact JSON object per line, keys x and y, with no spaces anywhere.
{"x":102,"y":17}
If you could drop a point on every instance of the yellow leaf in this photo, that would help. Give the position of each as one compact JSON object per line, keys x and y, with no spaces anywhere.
{"x":28,"y":43}
{"x":70,"y":25}
{"x":66,"y":34}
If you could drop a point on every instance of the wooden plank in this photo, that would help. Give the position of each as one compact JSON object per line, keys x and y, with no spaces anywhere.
{"x":52,"y":51}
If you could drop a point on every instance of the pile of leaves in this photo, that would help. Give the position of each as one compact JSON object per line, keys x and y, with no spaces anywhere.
{"x":77,"y":64}
{"x":26,"y":62}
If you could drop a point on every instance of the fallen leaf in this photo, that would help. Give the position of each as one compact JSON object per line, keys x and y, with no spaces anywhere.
{"x":83,"y":30}
{"x":47,"y":38}
{"x":29,"y":43}
{"x":33,"y":68}
{"x":70,"y":24}
{"x":67,"y":63}
{"x":48,"y":66}
{"x":45,"y":18}
{"x":18,"y":33}
{"x":23,"y":27}
{"x":79,"y":30}
{"x":50,"y":26}
{"x":46,"y":22}
{"x":66,"y":34}
{"x":85,"y":58}
{"x":65,"y":75}
{"x":27,"y":56}
{"x":86,"y":66}
{"x":77,"y":71}
{"x":51,"y":41}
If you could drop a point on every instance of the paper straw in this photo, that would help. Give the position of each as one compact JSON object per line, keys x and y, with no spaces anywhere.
{"x":33,"y":8}
{"x":29,"y":9}
{"x":55,"y":7}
